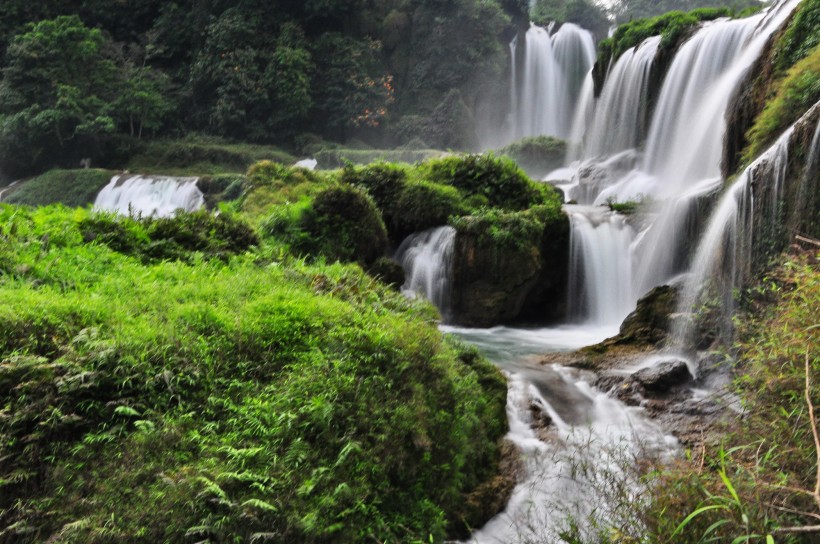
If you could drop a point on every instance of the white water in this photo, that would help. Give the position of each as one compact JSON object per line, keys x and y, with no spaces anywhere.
{"x":680,"y":168}
{"x":554,"y":68}
{"x":426,"y":258}
{"x":600,"y":291}
{"x":159,"y":196}
{"x":620,"y":114}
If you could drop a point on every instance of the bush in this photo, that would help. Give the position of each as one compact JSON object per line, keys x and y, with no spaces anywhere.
{"x":226,"y":401}
{"x":343,"y":224}
{"x":498,"y":179}
{"x":171,"y":238}
{"x":673,"y":27}
{"x":801,"y":37}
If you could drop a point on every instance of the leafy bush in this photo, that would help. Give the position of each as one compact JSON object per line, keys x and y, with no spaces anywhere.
{"x":343,"y":224}
{"x":171,"y":238}
{"x":510,"y":229}
{"x":498,"y":179}
{"x":673,"y":27}
{"x":801,"y":36}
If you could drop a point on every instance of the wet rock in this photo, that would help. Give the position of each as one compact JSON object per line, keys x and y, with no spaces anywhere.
{"x":663,"y":376}
{"x":650,"y":320}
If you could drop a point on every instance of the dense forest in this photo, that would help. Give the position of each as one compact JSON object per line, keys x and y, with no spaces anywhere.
{"x":92,"y":80}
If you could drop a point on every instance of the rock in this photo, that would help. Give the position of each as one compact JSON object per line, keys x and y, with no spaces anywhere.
{"x":498,"y":279}
{"x":663,"y":376}
{"x":650,"y":321}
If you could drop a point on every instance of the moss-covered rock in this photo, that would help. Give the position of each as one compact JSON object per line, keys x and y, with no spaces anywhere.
{"x":69,"y":187}
{"x":537,"y":155}
{"x":344,"y":224}
{"x":510,"y":265}
{"x":649,"y":322}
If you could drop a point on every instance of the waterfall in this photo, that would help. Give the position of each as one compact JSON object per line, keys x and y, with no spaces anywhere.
{"x":426,"y":258}
{"x":600,"y":266}
{"x":620,"y":114}
{"x":686,"y":134}
{"x":554,"y":69}
{"x":149,"y":195}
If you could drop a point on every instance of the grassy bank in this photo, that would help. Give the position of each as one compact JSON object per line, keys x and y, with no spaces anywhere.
{"x":229,"y":395}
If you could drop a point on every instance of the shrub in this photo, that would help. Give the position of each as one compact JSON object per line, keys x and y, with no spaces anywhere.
{"x":69,"y":187}
{"x":801,"y":36}
{"x":423,"y":205}
{"x":345,"y":225}
{"x":498,"y":179}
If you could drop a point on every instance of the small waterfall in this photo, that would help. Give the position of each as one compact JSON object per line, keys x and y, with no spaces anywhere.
{"x":159,"y":196}
{"x":724,"y":252}
{"x":427,"y":261}
{"x":554,"y":69}
{"x":600,"y":266}
{"x":620,"y":115}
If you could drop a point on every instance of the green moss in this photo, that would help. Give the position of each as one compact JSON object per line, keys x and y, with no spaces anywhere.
{"x":514,"y":230}
{"x":537,"y":155}
{"x":672,"y":26}
{"x":69,"y":187}
{"x":793,"y":95}
{"x":200,"y":156}
{"x":249,"y":399}
{"x":498,"y":180}
{"x":337,"y":158}
{"x":801,"y":36}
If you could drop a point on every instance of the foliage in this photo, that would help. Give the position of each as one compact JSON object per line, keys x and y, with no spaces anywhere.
{"x":793,"y":95}
{"x":537,"y":155}
{"x":498,"y":181}
{"x":590,"y":15}
{"x":251,"y":399}
{"x":673,"y":27}
{"x":510,"y":229}
{"x":627,"y":10}
{"x":69,"y":187}
{"x":760,"y":478}
{"x":801,"y":37}
{"x":197,"y":155}
{"x":337,"y":158}
{"x":170,"y":238}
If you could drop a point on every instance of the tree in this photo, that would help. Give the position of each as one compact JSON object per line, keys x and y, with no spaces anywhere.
{"x":55,"y":95}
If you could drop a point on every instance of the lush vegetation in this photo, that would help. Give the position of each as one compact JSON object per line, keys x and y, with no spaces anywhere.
{"x":624,"y":11}
{"x":88,"y":82}
{"x":673,"y":27}
{"x":69,"y":187}
{"x":759,"y":478}
{"x":152,"y":399}
{"x":537,"y":155}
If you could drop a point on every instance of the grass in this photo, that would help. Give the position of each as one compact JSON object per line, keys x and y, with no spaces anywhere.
{"x":254,"y":398}
{"x":69,"y":187}
{"x":756,"y":481}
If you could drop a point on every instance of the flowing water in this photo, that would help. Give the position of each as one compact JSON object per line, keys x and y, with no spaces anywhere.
{"x":427,"y":258}
{"x":580,"y":446}
{"x":159,"y":196}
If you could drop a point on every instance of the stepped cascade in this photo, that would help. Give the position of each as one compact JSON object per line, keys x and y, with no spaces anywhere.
{"x":150,"y":195}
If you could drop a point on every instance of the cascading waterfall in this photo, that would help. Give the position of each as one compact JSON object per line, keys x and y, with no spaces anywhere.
{"x":599,"y":293}
{"x":158,"y":196}
{"x":426,"y":258}
{"x":620,"y":113}
{"x":554,"y":69}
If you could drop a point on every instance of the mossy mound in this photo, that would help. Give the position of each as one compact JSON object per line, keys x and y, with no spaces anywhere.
{"x":537,"y":155}
{"x":69,"y":187}
{"x":253,"y":399}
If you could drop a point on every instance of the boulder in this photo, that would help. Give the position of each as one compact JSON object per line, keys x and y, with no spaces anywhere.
{"x":663,"y":376}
